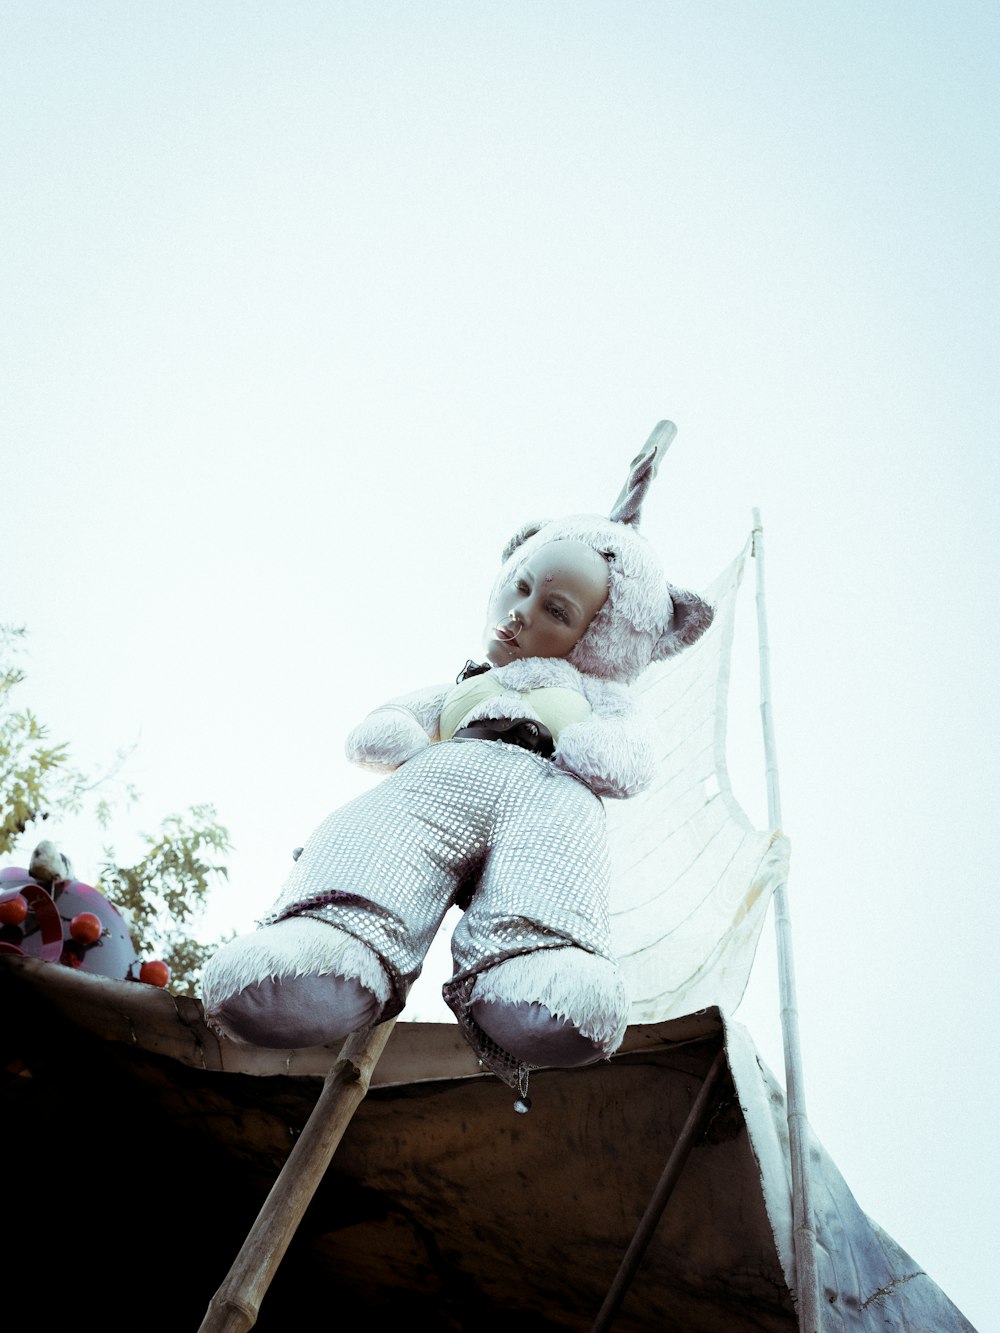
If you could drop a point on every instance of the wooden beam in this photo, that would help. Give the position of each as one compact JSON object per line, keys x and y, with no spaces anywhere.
{"x":693,"y":1126}
{"x":236,"y":1304}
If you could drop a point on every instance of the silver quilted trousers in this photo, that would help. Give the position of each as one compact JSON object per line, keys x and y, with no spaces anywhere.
{"x":500,"y":831}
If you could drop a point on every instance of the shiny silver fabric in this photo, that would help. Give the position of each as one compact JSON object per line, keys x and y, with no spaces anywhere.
{"x":465,"y":816}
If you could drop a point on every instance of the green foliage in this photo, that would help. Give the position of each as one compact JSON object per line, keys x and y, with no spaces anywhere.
{"x":167,"y":889}
{"x":34,"y":776}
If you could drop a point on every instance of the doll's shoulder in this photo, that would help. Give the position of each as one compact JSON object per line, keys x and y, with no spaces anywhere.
{"x":607,"y":698}
{"x":539,"y":673}
{"x":425,"y":705}
{"x":429,"y":695}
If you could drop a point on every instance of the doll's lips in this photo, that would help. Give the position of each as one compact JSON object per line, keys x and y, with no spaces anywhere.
{"x":506,"y":635}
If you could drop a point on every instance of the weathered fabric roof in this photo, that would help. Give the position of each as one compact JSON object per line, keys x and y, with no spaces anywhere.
{"x":140,"y":1148}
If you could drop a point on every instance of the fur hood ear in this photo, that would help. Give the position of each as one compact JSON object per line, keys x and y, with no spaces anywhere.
{"x":644,"y":618}
{"x":690,"y":618}
{"x":521,"y":536}
{"x":642,"y":470}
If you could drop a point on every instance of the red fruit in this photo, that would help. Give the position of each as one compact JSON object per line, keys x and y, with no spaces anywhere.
{"x":13,"y":910}
{"x":86,"y":927}
{"x":154,"y":973}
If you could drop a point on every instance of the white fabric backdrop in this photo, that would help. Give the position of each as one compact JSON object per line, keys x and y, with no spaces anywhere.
{"x":691,"y":876}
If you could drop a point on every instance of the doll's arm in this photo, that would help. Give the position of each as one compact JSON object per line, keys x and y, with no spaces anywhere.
{"x":611,"y":751}
{"x":396,"y":731}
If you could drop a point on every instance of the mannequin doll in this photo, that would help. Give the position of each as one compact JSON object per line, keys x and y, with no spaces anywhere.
{"x":493,"y":801}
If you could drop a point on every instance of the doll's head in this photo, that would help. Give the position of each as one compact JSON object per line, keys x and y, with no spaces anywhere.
{"x":642,"y":618}
{"x":548,"y":603}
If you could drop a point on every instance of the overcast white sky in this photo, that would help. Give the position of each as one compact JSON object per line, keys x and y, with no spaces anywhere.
{"x":307,"y":306}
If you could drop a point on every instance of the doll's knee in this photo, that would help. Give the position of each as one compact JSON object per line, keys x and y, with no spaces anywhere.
{"x":562,"y":1007}
{"x":300,"y":982}
{"x":289,"y":1012}
{"x":532,"y":1034}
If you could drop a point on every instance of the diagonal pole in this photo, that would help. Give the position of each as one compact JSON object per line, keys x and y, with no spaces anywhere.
{"x":696,"y":1120}
{"x":803,"y":1228}
{"x":235,"y":1306}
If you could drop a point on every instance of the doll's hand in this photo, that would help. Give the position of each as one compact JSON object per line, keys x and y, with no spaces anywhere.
{"x":397,"y":730}
{"x":386,"y":739}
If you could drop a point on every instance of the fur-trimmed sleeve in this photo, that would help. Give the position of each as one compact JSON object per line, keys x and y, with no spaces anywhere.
{"x":397,"y":730}
{"x":611,"y":751}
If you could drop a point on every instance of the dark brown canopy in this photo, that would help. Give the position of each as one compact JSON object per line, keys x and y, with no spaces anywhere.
{"x":139,"y":1150}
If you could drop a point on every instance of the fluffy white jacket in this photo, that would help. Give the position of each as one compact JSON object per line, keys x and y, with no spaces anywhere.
{"x":611,"y":751}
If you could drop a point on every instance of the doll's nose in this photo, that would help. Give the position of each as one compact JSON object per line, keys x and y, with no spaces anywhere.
{"x":510,"y":627}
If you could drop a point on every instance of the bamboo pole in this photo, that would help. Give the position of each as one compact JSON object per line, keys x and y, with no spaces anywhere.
{"x":235,"y":1306}
{"x":803,"y":1229}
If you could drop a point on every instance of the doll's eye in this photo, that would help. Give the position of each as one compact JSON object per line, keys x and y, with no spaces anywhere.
{"x":558,"y":612}
{"x":521,"y":585}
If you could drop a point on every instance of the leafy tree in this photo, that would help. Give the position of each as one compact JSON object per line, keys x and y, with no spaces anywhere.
{"x":35,"y":777}
{"x":162,"y":894}
{"x":168,"y":888}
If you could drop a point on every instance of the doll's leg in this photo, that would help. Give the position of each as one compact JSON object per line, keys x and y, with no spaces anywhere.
{"x":351,"y":927}
{"x":300,"y":982}
{"x":561,"y":1007}
{"x":534,"y":973}
{"x":534,"y":1036}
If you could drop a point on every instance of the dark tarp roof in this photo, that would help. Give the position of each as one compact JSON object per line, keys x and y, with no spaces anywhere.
{"x":139,"y":1149}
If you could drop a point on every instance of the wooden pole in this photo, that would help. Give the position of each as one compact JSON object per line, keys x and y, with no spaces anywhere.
{"x":803,"y":1229}
{"x":235,"y":1306}
{"x":693,"y":1125}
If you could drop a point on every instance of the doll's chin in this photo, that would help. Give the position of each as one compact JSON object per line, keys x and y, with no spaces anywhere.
{"x":500,"y":653}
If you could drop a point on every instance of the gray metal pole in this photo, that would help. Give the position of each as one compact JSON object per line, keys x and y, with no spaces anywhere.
{"x":804,"y":1232}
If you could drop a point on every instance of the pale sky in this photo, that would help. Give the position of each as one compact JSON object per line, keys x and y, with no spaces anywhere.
{"x":307,"y":306}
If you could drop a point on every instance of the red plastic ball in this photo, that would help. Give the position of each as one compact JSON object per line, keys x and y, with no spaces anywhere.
{"x":13,"y":910}
{"x":86,"y":927}
{"x":154,"y":973}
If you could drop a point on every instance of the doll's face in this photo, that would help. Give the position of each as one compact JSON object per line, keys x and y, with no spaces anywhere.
{"x":547,"y":604}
